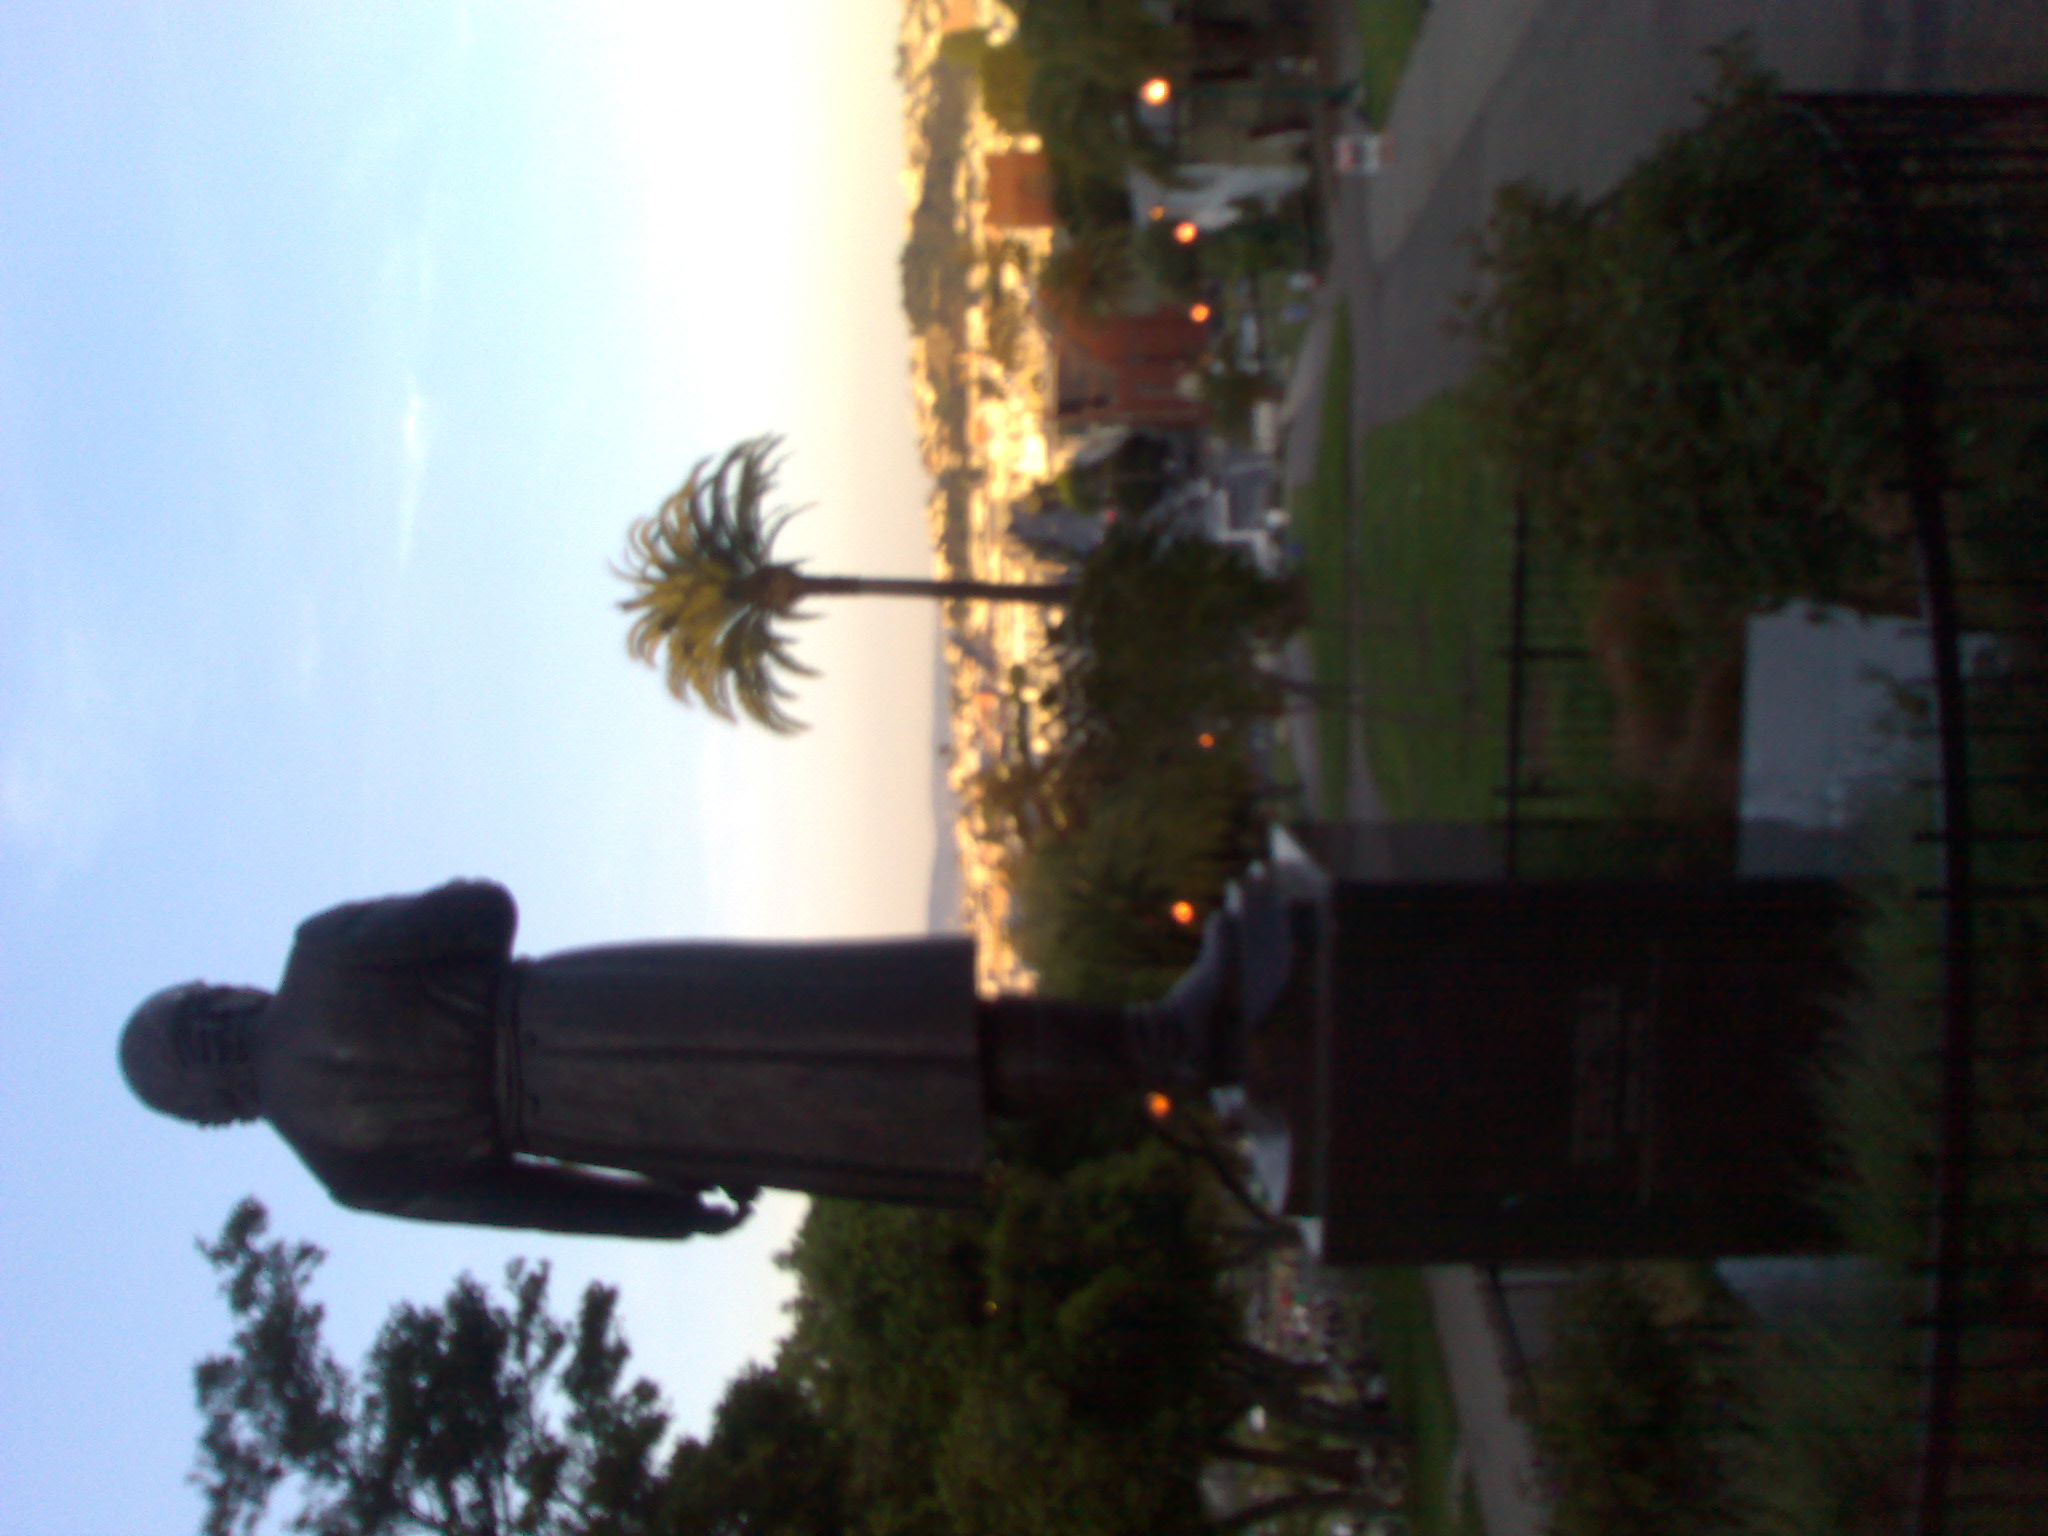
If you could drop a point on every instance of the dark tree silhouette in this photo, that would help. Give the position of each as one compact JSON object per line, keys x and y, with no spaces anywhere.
{"x":482,"y":1416}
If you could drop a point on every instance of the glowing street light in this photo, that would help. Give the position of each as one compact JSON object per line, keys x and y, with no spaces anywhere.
{"x":1156,"y":92}
{"x":1185,"y":232}
{"x":1199,"y":313}
{"x":1184,"y":912}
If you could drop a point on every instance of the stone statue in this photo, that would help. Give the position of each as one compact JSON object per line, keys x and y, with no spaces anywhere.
{"x":420,"y":1070}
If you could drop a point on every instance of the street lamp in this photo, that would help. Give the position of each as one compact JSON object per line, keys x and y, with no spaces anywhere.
{"x":1156,"y":92}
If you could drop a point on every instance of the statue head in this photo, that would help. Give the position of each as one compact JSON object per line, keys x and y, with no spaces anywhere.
{"x":190,"y":1051}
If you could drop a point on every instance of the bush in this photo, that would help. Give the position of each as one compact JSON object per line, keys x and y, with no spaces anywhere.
{"x":1158,"y":644}
{"x":1636,"y":1406}
{"x":1147,"y":798}
{"x":1695,"y":374}
{"x":1095,"y":903}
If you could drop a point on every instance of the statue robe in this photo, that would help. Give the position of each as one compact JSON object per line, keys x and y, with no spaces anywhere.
{"x":419,"y":1070}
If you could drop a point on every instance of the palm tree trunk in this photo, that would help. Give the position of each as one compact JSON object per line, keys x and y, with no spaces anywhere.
{"x":943,"y":591}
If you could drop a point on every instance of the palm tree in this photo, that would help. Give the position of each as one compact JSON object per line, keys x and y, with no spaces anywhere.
{"x":710,"y":593}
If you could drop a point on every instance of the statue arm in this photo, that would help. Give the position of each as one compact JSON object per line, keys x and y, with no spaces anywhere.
{"x":547,"y":1197}
{"x":462,"y":920}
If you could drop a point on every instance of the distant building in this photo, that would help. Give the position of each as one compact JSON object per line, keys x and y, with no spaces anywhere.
{"x":1019,"y":191}
{"x":1131,"y":370}
{"x":1212,"y":197}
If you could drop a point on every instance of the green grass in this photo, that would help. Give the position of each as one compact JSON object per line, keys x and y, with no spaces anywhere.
{"x":1408,"y":556}
{"x":1321,"y":511}
{"x":1387,"y":29}
{"x":1405,"y":1326}
{"x":1430,"y":585}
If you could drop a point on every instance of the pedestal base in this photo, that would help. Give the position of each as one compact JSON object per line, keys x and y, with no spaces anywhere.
{"x":1480,"y":1070}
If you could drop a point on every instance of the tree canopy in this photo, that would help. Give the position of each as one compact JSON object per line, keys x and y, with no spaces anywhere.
{"x":1049,"y":1361}
{"x":712,"y":601}
{"x":1065,"y":1362}
{"x":1696,"y":374}
{"x":483,"y":1416}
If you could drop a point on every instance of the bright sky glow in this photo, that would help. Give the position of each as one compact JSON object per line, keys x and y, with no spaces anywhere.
{"x":338,"y":345}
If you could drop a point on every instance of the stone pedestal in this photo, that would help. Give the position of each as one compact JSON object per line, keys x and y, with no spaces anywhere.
{"x":1474,"y":1069}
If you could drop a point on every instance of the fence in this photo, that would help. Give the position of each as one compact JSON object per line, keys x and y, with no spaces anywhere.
{"x":1559,"y":722}
{"x":1954,"y":194}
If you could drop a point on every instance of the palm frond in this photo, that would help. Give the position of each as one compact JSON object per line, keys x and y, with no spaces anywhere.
{"x":708,"y":592}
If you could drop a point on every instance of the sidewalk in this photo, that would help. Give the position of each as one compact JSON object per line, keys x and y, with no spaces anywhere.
{"x":1495,"y":1447}
{"x":1570,"y":94}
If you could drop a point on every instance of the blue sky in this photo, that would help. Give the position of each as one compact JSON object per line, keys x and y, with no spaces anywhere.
{"x":338,"y":345}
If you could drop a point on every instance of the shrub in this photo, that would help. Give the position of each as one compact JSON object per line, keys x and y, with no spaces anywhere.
{"x":1147,"y":798}
{"x":1159,"y":641}
{"x":1695,"y":373}
{"x":1095,"y":902}
{"x":1636,"y":1404}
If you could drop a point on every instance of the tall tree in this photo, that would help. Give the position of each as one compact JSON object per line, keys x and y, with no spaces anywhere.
{"x":1065,"y":1365}
{"x":712,"y":599}
{"x":770,"y":1466}
{"x":479,"y":1417}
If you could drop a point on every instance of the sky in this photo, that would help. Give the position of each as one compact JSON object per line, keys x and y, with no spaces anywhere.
{"x":338,"y":346}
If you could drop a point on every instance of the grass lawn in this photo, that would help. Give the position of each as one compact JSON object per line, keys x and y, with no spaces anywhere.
{"x":1408,"y":555}
{"x":1430,"y":593}
{"x":1387,"y":29}
{"x":1405,"y":1328}
{"x":1321,"y":512}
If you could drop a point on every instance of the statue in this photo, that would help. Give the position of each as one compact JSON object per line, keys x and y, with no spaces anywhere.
{"x":419,"y":1070}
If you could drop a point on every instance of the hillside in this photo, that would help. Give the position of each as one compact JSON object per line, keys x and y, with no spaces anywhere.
{"x":980,"y":376}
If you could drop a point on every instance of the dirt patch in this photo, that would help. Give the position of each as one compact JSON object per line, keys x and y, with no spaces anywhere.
{"x":1677,"y":685}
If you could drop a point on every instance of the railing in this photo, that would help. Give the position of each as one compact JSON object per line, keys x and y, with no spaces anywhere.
{"x":1954,"y":192}
{"x":1560,"y":720}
